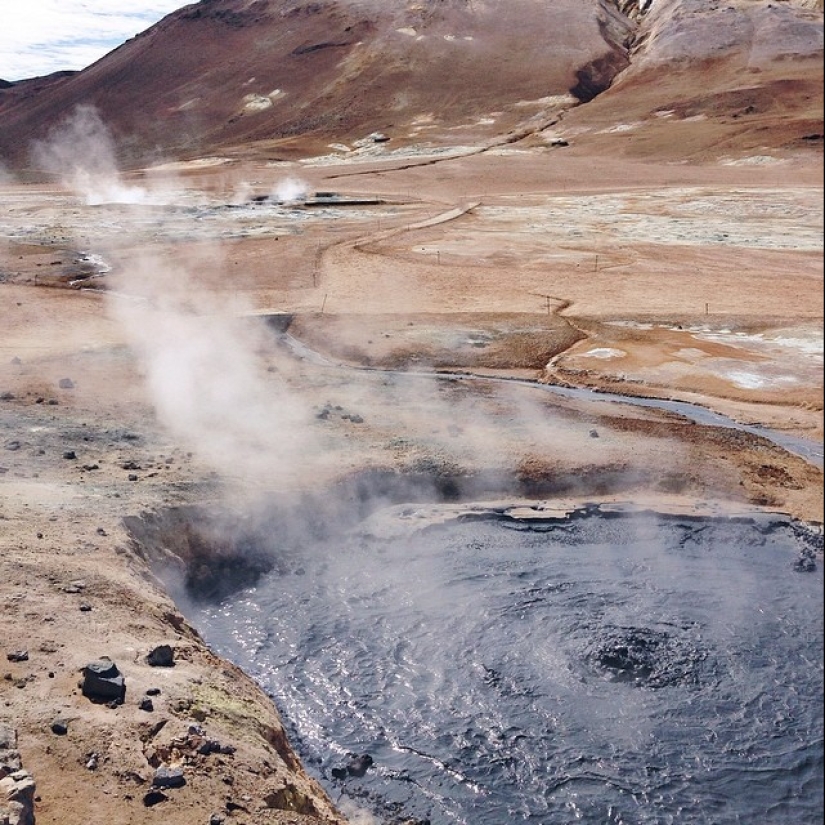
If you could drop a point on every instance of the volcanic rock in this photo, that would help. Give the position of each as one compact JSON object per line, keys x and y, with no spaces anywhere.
{"x":166,"y":777}
{"x":102,"y":681}
{"x":161,"y":656}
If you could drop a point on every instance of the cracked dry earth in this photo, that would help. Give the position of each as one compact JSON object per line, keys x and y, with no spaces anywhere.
{"x":695,"y":282}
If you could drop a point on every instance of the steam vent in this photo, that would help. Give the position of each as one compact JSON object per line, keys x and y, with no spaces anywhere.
{"x":411,"y":412}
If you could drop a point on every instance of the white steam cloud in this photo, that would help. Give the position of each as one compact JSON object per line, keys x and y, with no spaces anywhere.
{"x":209,"y":385}
{"x":81,"y":152}
{"x":198,"y":348}
{"x":6,"y":177}
{"x":289,"y":190}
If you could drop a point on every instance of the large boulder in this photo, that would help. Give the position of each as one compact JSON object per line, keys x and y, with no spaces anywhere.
{"x":103,"y":682}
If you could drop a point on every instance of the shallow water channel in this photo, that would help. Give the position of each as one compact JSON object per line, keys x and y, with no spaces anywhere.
{"x":601,"y":668}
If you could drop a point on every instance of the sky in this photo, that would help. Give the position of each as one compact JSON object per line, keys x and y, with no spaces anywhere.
{"x":38,"y":37}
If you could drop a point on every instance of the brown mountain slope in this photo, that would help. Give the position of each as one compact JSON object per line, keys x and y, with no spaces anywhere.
{"x":225,"y":72}
{"x":295,"y":75}
{"x":712,"y":78}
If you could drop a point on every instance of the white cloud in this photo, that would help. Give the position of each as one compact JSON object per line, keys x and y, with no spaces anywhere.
{"x":38,"y":37}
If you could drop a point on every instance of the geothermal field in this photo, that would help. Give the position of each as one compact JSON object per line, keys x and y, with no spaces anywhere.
{"x":456,"y":458}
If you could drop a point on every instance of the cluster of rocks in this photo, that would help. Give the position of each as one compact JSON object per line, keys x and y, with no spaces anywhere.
{"x":357,"y":766}
{"x":16,"y":786}
{"x":329,"y":410}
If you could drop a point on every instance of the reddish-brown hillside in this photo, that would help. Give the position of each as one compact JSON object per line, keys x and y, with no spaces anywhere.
{"x":287,"y":75}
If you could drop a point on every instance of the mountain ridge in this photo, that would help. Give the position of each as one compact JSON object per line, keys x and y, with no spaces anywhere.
{"x":290,"y":76}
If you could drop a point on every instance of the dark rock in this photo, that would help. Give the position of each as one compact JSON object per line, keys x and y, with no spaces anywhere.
{"x":133,"y":477}
{"x":18,"y":656}
{"x":85,"y":607}
{"x":7,"y":396}
{"x":70,"y":454}
{"x":12,"y":446}
{"x":166,"y":777}
{"x":358,"y":765}
{"x":90,"y":467}
{"x":102,"y":681}
{"x":806,"y":563}
{"x":65,"y":384}
{"x":209,"y":746}
{"x":146,"y":704}
{"x":153,"y":692}
{"x":217,"y":819}
{"x":339,"y":773}
{"x":153,"y":798}
{"x":594,"y":433}
{"x":60,"y":727}
{"x":161,"y":656}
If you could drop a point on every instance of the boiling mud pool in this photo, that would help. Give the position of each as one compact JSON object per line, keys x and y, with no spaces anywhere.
{"x":629,"y":669}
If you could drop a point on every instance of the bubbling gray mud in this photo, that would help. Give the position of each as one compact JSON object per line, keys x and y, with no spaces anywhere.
{"x":621,"y":669}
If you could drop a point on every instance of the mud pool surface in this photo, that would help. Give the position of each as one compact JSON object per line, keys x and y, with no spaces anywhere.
{"x":623,"y":669}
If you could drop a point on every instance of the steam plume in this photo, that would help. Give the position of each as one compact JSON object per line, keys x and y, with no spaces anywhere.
{"x":81,"y":152}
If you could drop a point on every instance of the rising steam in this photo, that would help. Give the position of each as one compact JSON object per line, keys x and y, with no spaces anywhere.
{"x":81,"y":153}
{"x":289,"y":190}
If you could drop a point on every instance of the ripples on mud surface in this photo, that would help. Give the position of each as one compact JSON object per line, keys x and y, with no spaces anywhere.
{"x":630,"y":669}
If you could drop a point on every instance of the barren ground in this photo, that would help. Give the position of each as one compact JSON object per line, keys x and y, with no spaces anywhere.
{"x":700,"y":282}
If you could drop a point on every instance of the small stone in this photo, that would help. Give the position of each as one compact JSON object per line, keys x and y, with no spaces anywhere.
{"x":65,"y":384}
{"x":103,"y":681}
{"x":146,"y":704}
{"x":161,"y":656}
{"x":153,"y":691}
{"x":7,"y":396}
{"x":132,"y":477}
{"x":153,"y":798}
{"x":358,"y":765}
{"x":70,"y":454}
{"x":18,"y":656}
{"x":594,"y":433}
{"x":101,"y":531}
{"x":217,"y":819}
{"x":60,"y":727}
{"x":166,"y":777}
{"x":91,"y":763}
{"x":85,"y":607}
